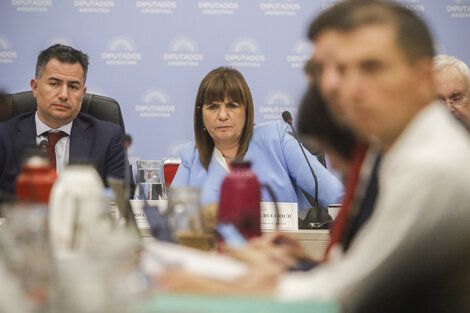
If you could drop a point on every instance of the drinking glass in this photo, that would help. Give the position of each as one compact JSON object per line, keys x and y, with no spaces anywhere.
{"x":150,"y":181}
{"x":185,"y":217}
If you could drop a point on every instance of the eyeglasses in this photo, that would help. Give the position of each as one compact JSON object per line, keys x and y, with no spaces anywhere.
{"x":456,"y":100}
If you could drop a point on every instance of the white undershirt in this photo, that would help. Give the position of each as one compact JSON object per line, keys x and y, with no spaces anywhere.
{"x":62,"y":147}
{"x":221,"y":159}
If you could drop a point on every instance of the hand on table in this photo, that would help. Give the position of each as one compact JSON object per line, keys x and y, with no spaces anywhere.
{"x":267,"y":258}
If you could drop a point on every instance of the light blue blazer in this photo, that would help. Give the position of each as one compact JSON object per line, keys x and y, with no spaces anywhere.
{"x":275,"y":158}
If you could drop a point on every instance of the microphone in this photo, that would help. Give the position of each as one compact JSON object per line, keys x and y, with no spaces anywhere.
{"x":43,"y":145}
{"x":287,"y":117}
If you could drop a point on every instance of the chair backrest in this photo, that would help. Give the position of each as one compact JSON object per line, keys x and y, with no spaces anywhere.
{"x":100,"y":107}
{"x":169,"y":170}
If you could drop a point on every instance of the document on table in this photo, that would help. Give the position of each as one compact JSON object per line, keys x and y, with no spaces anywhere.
{"x":158,"y":255}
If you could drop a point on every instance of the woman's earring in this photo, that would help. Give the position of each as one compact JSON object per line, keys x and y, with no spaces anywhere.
{"x":204,"y":129}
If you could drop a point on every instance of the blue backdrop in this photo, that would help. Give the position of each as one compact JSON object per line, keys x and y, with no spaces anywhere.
{"x":152,"y":55}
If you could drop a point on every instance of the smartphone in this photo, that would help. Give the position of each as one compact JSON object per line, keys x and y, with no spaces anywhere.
{"x":230,"y":235}
{"x":303,"y":265}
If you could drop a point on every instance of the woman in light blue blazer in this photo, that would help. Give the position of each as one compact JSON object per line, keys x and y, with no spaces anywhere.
{"x":224,"y":130}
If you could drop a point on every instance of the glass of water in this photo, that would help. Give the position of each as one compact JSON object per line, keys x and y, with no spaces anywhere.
{"x":185,"y":218}
{"x":150,"y":181}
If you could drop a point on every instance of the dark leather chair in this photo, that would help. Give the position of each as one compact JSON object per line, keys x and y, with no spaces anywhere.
{"x":100,"y":107}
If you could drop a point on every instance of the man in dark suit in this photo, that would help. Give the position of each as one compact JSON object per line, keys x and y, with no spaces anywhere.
{"x":59,"y":87}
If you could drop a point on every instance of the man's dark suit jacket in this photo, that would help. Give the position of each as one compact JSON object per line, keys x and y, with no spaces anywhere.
{"x":91,"y":140}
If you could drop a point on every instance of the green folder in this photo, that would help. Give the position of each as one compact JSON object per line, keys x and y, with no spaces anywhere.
{"x":192,"y":303}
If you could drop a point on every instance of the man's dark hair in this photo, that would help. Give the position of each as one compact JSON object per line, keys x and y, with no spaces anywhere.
{"x":315,"y":120}
{"x":413,"y":36}
{"x":64,"y":54}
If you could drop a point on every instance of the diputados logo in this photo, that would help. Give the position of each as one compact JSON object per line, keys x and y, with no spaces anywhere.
{"x":121,"y":51}
{"x":302,"y":52}
{"x":245,"y":53}
{"x":154,"y":104}
{"x":276,"y":102}
{"x":458,"y":8}
{"x":94,"y":6}
{"x":7,"y":55}
{"x":218,"y":7}
{"x":156,"y":7}
{"x":413,"y":5}
{"x":59,"y":39}
{"x":31,"y":5}
{"x":280,"y":7}
{"x":329,"y":4}
{"x":183,"y":52}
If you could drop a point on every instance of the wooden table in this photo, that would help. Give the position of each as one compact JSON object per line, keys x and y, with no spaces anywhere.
{"x":314,"y":241}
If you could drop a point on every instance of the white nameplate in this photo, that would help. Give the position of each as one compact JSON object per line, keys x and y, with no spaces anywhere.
{"x":287,"y":216}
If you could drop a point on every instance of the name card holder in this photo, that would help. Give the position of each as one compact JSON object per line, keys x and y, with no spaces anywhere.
{"x":287,"y":217}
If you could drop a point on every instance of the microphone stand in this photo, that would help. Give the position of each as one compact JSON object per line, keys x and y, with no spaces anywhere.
{"x":313,"y":219}
{"x":288,"y":119}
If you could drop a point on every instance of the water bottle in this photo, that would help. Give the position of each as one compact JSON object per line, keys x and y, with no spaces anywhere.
{"x":240,"y":198}
{"x":35,"y":181}
{"x":77,"y":214}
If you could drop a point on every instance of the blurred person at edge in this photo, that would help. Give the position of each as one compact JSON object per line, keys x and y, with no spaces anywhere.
{"x":359,"y":168}
{"x":224,"y":130}
{"x":322,"y":125}
{"x":386,"y":92}
{"x":325,"y":125}
{"x":452,"y":78}
{"x":59,"y":87}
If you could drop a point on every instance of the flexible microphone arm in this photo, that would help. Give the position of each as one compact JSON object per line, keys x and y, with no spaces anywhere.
{"x":287,"y":117}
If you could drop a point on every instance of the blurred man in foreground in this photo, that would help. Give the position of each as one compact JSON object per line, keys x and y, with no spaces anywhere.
{"x":386,"y":89}
{"x":384,"y":62}
{"x":453,"y":85}
{"x":359,"y":169}
{"x":59,"y":87}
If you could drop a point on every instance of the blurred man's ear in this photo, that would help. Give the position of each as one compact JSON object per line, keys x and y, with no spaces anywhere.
{"x":424,"y":67}
{"x":34,"y":86}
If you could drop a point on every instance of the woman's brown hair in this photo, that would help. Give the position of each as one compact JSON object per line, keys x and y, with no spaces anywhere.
{"x":215,"y":86}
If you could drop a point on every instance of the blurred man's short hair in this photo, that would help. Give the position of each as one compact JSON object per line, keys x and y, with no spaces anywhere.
{"x":413,"y":36}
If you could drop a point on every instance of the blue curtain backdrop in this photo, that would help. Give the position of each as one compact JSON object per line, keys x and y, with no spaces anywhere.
{"x":152,"y":55}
